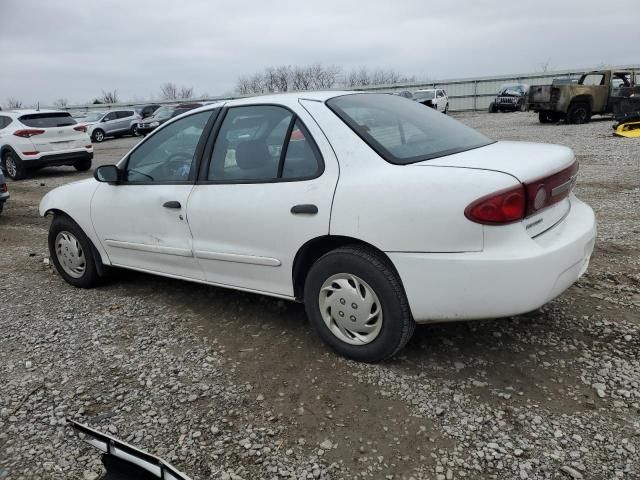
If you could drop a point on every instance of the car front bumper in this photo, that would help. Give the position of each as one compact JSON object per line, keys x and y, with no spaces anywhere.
{"x":514,"y":273}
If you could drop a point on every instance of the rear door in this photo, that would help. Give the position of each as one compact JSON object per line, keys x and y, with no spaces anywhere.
{"x":266,"y":190}
{"x":58,"y":131}
{"x":124,"y":120}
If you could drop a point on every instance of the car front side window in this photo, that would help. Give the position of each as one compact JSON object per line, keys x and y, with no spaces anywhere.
{"x":168,"y":155}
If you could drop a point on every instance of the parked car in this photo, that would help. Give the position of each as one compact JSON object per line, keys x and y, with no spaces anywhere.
{"x":597,"y":92}
{"x":146,"y":110}
{"x":435,"y":98}
{"x":31,"y":139}
{"x":4,"y":192}
{"x":377,"y":213}
{"x":404,"y":93}
{"x":511,"y":97}
{"x":112,"y":123}
{"x":163,"y":114}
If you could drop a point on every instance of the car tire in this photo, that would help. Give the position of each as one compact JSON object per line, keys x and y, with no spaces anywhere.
{"x":544,"y":117}
{"x":446,"y":109}
{"x":492,"y":107}
{"x":134,"y":130}
{"x":13,"y":166}
{"x":578,"y":113}
{"x":367,"y":280}
{"x":83,"y":165}
{"x":97,"y":136}
{"x":72,"y":253}
{"x":1,"y":207}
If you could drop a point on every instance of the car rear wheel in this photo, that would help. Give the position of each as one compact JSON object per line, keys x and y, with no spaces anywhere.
{"x":578,"y":113}
{"x":355,"y":301}
{"x":1,"y":207}
{"x":446,"y":109}
{"x":492,"y":107}
{"x":83,"y":165}
{"x":97,"y":136}
{"x":72,"y":253}
{"x":13,"y":166}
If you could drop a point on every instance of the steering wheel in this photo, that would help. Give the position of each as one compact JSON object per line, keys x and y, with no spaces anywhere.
{"x":178,"y":165}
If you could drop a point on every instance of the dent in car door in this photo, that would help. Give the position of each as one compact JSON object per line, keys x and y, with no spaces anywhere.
{"x":247,"y":231}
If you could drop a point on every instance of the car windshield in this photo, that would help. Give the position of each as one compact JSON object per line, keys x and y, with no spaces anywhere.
{"x":428,"y":95}
{"x":514,"y":89}
{"x":163,"y":113}
{"x":402,"y":131}
{"x":93,"y":116}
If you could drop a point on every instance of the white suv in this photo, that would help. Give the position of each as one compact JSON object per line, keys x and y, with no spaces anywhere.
{"x":435,"y":98}
{"x":31,"y":139}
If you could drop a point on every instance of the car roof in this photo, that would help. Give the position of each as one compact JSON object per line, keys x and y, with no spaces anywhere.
{"x":284,"y":98}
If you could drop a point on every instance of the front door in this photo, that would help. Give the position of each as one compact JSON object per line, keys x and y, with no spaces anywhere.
{"x":267,"y":191}
{"x":142,"y":221}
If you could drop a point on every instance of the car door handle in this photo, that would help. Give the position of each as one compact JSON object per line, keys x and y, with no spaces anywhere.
{"x":172,"y":204}
{"x":305,"y":208}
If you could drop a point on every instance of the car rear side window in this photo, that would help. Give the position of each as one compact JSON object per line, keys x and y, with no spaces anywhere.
{"x":302,"y":158}
{"x":403,"y":131}
{"x":4,"y":121}
{"x":47,"y":120}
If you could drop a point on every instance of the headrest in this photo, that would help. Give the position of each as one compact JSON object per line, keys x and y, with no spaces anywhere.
{"x":252,"y":154}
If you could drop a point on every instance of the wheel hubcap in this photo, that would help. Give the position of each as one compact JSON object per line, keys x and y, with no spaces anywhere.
{"x":99,"y":136}
{"x":11,"y":166}
{"x":350,"y":309}
{"x":70,"y":254}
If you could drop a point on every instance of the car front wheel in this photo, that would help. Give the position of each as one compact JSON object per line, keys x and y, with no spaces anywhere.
{"x":72,"y":253}
{"x":355,"y":301}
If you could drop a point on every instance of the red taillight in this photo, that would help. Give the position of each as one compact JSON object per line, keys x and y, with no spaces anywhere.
{"x":3,"y":188}
{"x":35,"y":152}
{"x":28,"y":132}
{"x":499,"y":208}
{"x":550,"y":190}
{"x":88,"y":146}
{"x":507,"y":206}
{"x":80,"y":128}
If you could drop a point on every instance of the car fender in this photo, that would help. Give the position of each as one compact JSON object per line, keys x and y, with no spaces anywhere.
{"x":74,"y":200}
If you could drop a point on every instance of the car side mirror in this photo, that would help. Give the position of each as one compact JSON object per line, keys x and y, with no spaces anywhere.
{"x":107,"y":174}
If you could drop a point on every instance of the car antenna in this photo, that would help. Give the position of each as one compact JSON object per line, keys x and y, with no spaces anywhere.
{"x":38,"y":107}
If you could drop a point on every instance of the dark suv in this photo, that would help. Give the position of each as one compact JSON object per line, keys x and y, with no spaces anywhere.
{"x":161,"y":115}
{"x":511,"y":97}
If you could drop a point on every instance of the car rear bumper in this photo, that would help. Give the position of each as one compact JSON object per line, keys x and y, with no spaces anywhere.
{"x":57,"y":159}
{"x":514,"y":273}
{"x":4,"y":197}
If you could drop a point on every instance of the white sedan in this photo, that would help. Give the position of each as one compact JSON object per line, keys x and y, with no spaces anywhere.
{"x":374,"y":211}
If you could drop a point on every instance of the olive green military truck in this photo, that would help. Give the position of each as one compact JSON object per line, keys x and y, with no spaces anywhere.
{"x":598,"y":92}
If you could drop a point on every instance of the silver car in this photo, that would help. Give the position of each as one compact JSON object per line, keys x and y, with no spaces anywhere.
{"x":112,"y":123}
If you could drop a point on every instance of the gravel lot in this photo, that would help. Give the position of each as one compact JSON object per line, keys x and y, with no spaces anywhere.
{"x":227,"y":385}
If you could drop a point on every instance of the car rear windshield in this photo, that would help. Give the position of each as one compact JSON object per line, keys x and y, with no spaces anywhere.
{"x":47,"y":120}
{"x":403,"y":131}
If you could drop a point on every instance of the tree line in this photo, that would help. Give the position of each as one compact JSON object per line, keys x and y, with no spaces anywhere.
{"x":287,"y":78}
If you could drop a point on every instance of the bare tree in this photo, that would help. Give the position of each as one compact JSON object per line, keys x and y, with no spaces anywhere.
{"x":109,"y":97}
{"x":169,"y":91}
{"x":185,"y":92}
{"x":13,"y":103}
{"x":61,"y":102}
{"x":286,"y":78}
{"x":544,"y":66}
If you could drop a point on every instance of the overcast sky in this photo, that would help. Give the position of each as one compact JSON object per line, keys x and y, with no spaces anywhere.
{"x":71,"y":49}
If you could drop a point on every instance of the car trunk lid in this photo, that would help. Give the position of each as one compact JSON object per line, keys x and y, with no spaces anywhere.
{"x":548,"y":173}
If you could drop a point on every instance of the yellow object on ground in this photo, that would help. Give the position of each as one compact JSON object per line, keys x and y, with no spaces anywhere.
{"x":630,"y":129}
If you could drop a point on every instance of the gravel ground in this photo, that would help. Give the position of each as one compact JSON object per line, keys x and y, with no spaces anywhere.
{"x":227,"y":385}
